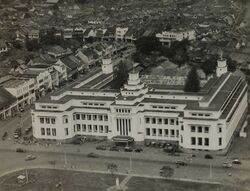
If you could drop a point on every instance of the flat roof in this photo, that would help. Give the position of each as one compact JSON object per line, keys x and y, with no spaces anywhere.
{"x":12,"y":83}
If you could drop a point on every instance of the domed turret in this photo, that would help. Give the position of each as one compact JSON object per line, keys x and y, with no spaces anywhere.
{"x":221,"y":65}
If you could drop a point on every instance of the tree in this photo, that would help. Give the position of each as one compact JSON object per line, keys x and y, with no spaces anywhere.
{"x":120,"y":76}
{"x":209,"y":66}
{"x":147,"y":45}
{"x":192,"y":82}
{"x":32,"y":45}
{"x":231,"y":65}
{"x":112,"y":168}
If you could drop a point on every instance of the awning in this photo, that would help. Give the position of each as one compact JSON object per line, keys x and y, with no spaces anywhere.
{"x":123,"y":139}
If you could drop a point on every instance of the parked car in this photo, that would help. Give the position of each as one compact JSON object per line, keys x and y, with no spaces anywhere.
{"x":17,"y":133}
{"x":27,"y":130}
{"x":4,"y":135}
{"x":227,"y":165}
{"x":180,"y":163}
{"x":92,"y":155}
{"x":30,"y":157}
{"x":207,"y":156}
{"x":114,"y":148}
{"x":236,"y":161}
{"x":20,"y":150}
{"x":147,"y":144}
{"x":138,"y":150}
{"x":101,"y":147}
{"x":128,"y":149}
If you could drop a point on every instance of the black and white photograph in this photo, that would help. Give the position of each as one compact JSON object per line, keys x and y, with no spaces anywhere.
{"x":124,"y":95}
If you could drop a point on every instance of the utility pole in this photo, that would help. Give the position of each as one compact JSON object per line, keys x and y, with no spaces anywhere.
{"x":130,"y":164}
{"x":27,"y":176}
{"x":65,"y":159}
{"x":210,"y":171}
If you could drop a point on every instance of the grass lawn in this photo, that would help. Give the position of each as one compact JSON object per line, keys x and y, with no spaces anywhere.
{"x":147,"y":184}
{"x":46,"y":180}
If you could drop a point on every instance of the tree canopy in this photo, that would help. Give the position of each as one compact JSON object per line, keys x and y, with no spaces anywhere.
{"x":192,"y":82}
{"x":120,"y":76}
{"x":147,"y":45}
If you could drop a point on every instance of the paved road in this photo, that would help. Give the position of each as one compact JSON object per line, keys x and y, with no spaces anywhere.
{"x":11,"y":160}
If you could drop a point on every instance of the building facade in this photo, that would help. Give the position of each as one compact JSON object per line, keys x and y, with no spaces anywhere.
{"x":205,"y":120}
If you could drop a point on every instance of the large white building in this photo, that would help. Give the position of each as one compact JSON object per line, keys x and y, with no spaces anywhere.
{"x":206,"y":120}
{"x":176,"y":35}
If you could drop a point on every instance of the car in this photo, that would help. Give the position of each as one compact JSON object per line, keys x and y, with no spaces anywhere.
{"x":30,"y":157}
{"x":21,"y":109}
{"x":4,"y":135}
{"x":138,"y":150}
{"x":207,"y":156}
{"x":27,"y":130}
{"x":20,"y":150}
{"x":101,"y":147}
{"x":227,"y":165}
{"x":180,"y":163}
{"x":128,"y":149}
{"x":236,"y":161}
{"x":147,"y":144}
{"x":92,"y":155}
{"x":114,"y":148}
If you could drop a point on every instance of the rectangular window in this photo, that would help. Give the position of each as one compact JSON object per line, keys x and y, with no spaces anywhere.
{"x":172,"y":133}
{"x":100,"y":118}
{"x":192,"y":128}
{"x":89,"y":128}
{"x":206,"y":129}
{"x":166,"y":132}
{"x":41,"y":120}
{"x":219,"y":129}
{"x":66,"y":120}
{"x":199,"y":141}
{"x":84,"y":128}
{"x":194,"y":114}
{"x":153,"y":120}
{"x":106,"y":129}
{"x":166,"y":121}
{"x":53,"y":120}
{"x":94,"y":117}
{"x":147,"y":120}
{"x":89,"y":117}
{"x":78,"y":127}
{"x":148,"y":131}
{"x":77,"y":116}
{"x":105,"y":118}
{"x":159,"y":132}
{"x":101,"y":128}
{"x":177,"y":133}
{"x":154,"y":132}
{"x":220,"y":141}
{"x":42,"y":131}
{"x":177,"y":122}
{"x":53,"y":131}
{"x":172,"y":121}
{"x":48,"y":131}
{"x":47,"y":120}
{"x":193,"y":141}
{"x":95,"y":128}
{"x":83,"y":116}
{"x":206,"y":141}
{"x":159,"y":121}
{"x":182,"y":128}
{"x":66,"y":131}
{"x":200,"y":129}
